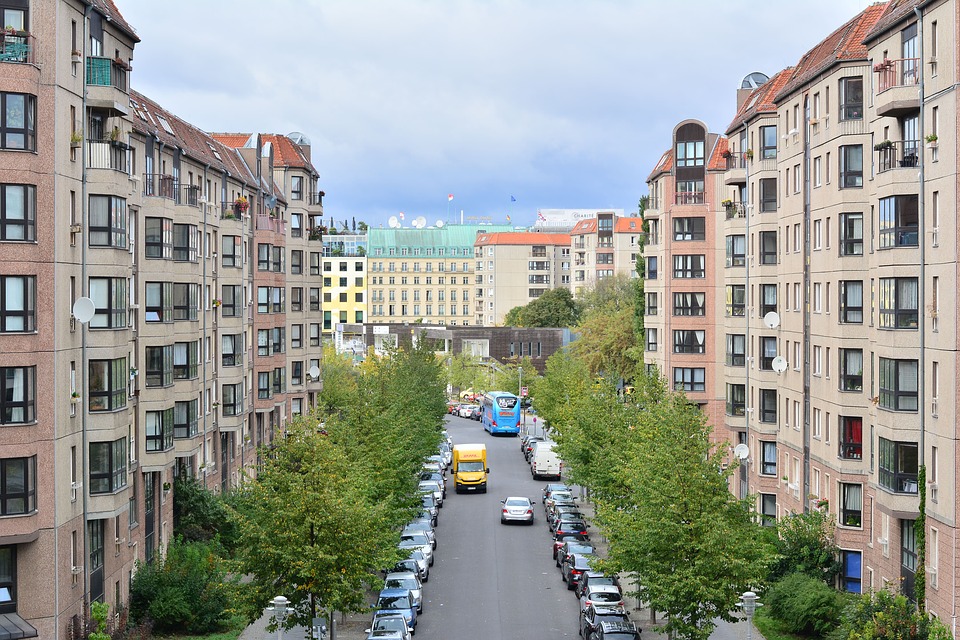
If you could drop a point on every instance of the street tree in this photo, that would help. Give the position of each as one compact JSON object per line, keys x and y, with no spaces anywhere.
{"x":555,"y":308}
{"x":607,"y":341}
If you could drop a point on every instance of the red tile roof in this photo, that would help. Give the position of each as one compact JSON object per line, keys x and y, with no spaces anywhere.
{"x":761,"y":99}
{"x":626,"y":225}
{"x":235,"y":140}
{"x":663,"y":166}
{"x":846,"y":43}
{"x":716,"y":161}
{"x":584,"y":226}
{"x":521,"y":238}
{"x":897,"y":11}
{"x":287,"y":153}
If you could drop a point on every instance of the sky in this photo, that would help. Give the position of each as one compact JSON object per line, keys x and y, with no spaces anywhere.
{"x":508,"y":105}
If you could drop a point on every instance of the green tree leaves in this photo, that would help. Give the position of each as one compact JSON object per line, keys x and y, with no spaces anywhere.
{"x":555,"y":308}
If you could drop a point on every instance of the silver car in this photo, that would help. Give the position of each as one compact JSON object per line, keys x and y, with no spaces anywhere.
{"x":409,"y":581}
{"x":424,"y":527}
{"x":418,"y":541}
{"x":434,"y":487}
{"x":423,"y":565}
{"x":516,"y":509}
{"x":389,"y":625}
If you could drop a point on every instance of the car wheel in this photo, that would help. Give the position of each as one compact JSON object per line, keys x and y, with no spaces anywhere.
{"x":502,"y":521}
{"x":570,"y":585}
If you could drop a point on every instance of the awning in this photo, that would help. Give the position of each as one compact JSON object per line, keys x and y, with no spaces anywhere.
{"x":13,"y":626}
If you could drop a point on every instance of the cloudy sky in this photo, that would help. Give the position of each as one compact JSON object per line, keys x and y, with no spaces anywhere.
{"x":557,"y":103}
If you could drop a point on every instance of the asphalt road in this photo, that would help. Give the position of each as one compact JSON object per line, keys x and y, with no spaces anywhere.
{"x":493,"y":581}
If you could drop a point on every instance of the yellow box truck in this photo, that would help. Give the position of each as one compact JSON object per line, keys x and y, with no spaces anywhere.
{"x":470,"y":467}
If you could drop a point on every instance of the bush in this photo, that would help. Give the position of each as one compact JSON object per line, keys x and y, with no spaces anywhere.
{"x":199,"y":514}
{"x":185,"y":591}
{"x":805,"y":605}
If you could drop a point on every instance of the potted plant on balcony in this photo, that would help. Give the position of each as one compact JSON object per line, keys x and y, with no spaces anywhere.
{"x":931,"y":140}
{"x":884,"y":65}
{"x":76,"y":139}
{"x":75,"y":397}
{"x":883,"y":146}
{"x":240,"y":205}
{"x":727,"y":153}
{"x":216,"y":302}
{"x":749,"y":154}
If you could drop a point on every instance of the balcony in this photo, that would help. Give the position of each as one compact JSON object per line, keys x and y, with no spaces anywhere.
{"x":269,"y":223}
{"x":159,"y":185}
{"x":107,"y":84}
{"x":688,"y":197}
{"x":17,"y":47}
{"x":316,"y":198}
{"x":897,"y":82}
{"x":735,"y":210}
{"x":897,"y":155}
{"x":107,"y":154}
{"x":736,"y":169}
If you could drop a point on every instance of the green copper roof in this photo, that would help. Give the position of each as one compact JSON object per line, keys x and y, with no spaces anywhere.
{"x":454,"y":235}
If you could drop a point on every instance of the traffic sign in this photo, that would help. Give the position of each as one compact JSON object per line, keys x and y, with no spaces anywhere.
{"x":523,"y":392}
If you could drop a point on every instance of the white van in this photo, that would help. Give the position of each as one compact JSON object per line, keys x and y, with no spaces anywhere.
{"x":544,"y":461}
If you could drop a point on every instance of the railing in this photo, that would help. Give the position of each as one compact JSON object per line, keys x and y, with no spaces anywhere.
{"x":106,"y":154}
{"x":17,"y":48}
{"x":735,"y":210}
{"x":316,"y":198}
{"x":189,"y":194}
{"x":736,"y":161}
{"x":104,"y":72}
{"x":903,"y":72}
{"x":269,"y":223}
{"x":159,"y":185}
{"x":851,"y":450}
{"x":893,"y":155}
{"x":653,"y":203}
{"x":689,"y":197}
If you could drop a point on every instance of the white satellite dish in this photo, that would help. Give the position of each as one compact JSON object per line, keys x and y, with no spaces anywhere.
{"x":772,"y":320}
{"x":393,"y":222}
{"x":779,"y":364}
{"x":420,"y":222}
{"x":439,"y":224}
{"x":83,"y":310}
{"x":314,"y":372}
{"x":742,"y":451}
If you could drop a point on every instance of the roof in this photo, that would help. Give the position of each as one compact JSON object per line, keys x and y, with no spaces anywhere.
{"x":896,"y":11}
{"x":760,"y":99}
{"x":627,"y":225}
{"x":110,"y":11}
{"x":236,"y":140}
{"x":454,"y":235}
{"x":288,"y":154}
{"x":845,"y":43}
{"x":664,"y":165}
{"x":521,"y":238}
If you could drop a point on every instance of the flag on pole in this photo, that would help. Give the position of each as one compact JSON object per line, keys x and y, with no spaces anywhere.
{"x":449,"y":197}
{"x":512,"y":199}
{"x":508,"y":219}
{"x":541,"y":217}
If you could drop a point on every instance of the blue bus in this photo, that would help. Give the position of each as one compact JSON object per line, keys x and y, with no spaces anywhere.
{"x":500,"y":412}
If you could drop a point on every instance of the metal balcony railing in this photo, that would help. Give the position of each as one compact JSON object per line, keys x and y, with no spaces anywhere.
{"x":159,"y":185}
{"x":902,"y":72}
{"x":689,"y":197}
{"x":104,"y":72}
{"x":106,"y":154}
{"x":17,"y":48}
{"x":893,"y":155}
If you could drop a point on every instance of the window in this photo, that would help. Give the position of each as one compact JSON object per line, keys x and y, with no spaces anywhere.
{"x":851,"y":578}
{"x":263,"y":257}
{"x":296,"y":187}
{"x":314,"y":298}
{"x":651,"y":307}
{"x":768,"y":351}
{"x":108,"y":466}
{"x":768,"y":247}
{"x":689,"y":341}
{"x":768,"y":458}
{"x":231,"y":350}
{"x":278,"y":258}
{"x":689,"y":304}
{"x":18,"y":121}
{"x":690,"y":153}
{"x":768,"y":194}
{"x":18,"y":488}
{"x":851,"y":234}
{"x":736,"y":399}
{"x":851,"y":98}
{"x":230,"y":251}
{"x":185,"y":419}
{"x":899,"y":221}
{"x":736,"y":350}
{"x":296,"y":262}
{"x":232,"y":399}
{"x":186,"y":360}
{"x":768,"y":405}
{"x":851,"y":301}
{"x":280,"y":380}
{"x":108,"y":222}
{"x":296,"y":299}
{"x":651,"y":339}
{"x":186,"y":239}
{"x":159,"y":365}
{"x":296,"y":336}
{"x":109,"y":296}
{"x":736,"y":251}
{"x":18,"y":212}
{"x":851,"y":166}
{"x":898,"y":307}
{"x":18,"y":395}
{"x":264,"y":387}
{"x":296,"y":225}
{"x":736,"y":299}
{"x":279,"y":339}
{"x":689,"y":266}
{"x":17,"y":304}
{"x":315,"y":334}
{"x":898,"y":384}
{"x":263,"y":342}
{"x":689,"y":379}
{"x":898,"y":466}
{"x":768,"y":143}
{"x":159,"y":430}
{"x":651,"y":268}
{"x":851,"y":504}
{"x":768,"y":509}
{"x":107,"y":386}
{"x":159,"y":299}
{"x":851,"y":369}
{"x":851,"y":438}
{"x":689,"y":229}
{"x":186,"y":296}
{"x":768,"y":299}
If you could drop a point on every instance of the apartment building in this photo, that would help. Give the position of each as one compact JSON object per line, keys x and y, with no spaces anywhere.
{"x":423,"y":274}
{"x":840,"y":363}
{"x":344,"y":271}
{"x":604,"y":246}
{"x":513,"y":268}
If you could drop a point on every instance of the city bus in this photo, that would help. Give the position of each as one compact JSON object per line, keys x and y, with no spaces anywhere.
{"x":500,"y":412}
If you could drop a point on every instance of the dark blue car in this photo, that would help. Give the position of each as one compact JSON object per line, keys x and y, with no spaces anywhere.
{"x":397,"y":601}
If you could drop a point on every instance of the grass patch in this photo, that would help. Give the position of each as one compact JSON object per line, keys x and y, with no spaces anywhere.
{"x":232,"y":631}
{"x":771,"y":629}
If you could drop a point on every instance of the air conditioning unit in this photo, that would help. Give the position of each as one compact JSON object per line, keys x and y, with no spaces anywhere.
{"x":76,"y":570}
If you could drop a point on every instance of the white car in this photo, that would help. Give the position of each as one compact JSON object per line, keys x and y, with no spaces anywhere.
{"x":466,"y":410}
{"x":418,"y":542}
{"x":406,"y":580}
{"x":602,"y":595}
{"x":434,"y":487}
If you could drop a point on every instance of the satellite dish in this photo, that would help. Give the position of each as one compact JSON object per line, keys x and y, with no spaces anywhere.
{"x":420,"y":222}
{"x":439,"y":224}
{"x":314,"y":372}
{"x":772,"y":320}
{"x":83,"y":310}
{"x":742,"y":451}
{"x":779,"y":364}
{"x":271,"y":202}
{"x":393,"y":222}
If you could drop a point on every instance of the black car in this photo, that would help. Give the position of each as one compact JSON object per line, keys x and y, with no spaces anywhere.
{"x":591,"y":578}
{"x":593,"y":616}
{"x":562,"y":527}
{"x":573,"y":567}
{"x":570,"y":547}
{"x":559,"y":540}
{"x":615,"y":630}
{"x":563,"y":506}
{"x":551,"y":487}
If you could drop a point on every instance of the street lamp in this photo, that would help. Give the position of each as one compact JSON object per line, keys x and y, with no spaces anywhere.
{"x":280,"y":610}
{"x":523,"y":412}
{"x":748,"y":602}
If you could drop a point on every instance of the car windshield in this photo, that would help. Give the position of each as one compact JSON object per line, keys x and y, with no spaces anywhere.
{"x":561,"y":495}
{"x":604,"y":596}
{"x":579,"y":548}
{"x":518,"y":502}
{"x":581,"y":562}
{"x":415,"y":538}
{"x":394,"y":602}
{"x":401,"y":583}
{"x":392,"y":623}
{"x":471,"y":466}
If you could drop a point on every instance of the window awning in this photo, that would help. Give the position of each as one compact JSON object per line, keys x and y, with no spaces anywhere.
{"x":12,"y":627}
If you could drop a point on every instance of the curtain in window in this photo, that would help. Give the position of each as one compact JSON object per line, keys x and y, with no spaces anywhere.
{"x":907,"y":292}
{"x":853,"y":361}
{"x":853,"y":497}
{"x":15,"y":391}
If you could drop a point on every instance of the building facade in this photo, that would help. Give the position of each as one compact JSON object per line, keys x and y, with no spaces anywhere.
{"x":602,"y":247}
{"x":344,"y":271}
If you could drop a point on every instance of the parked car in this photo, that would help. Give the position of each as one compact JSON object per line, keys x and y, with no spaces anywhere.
{"x":423,"y":565}
{"x":437,"y":459}
{"x":570,"y":526}
{"x":572,"y":568}
{"x":418,"y":541}
{"x":453,"y":407}
{"x":516,"y":509}
{"x":384,"y":634}
{"x":397,"y":601}
{"x":424,"y":527}
{"x":407,"y":580}
{"x":446,"y":451}
{"x":407,"y":564}
{"x":559,"y":540}
{"x":555,"y":496}
{"x":593,"y":616}
{"x":389,"y":622}
{"x":596,"y":578}
{"x":602,"y":594}
{"x":615,"y":630}
{"x":434,"y":487}
{"x":435,"y":477}
{"x":571,"y":547}
{"x":565,"y":511}
{"x":430,"y":506}
{"x":529,"y":447}
{"x":466,"y":410}
{"x":551,"y":487}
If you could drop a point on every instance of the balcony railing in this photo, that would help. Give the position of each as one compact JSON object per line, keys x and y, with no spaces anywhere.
{"x":689,"y":197}
{"x":902,"y":72}
{"x":104,"y":72}
{"x":17,"y":48}
{"x":269,"y":223}
{"x":317,"y":198}
{"x":107,"y":154}
{"x":851,"y":450}
{"x":159,"y":185}
{"x":735,"y":210}
{"x":893,"y":155}
{"x":189,"y":194}
{"x":736,"y":161}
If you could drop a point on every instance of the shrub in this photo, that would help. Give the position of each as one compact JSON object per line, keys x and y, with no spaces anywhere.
{"x":804,"y":544}
{"x":805,"y":605}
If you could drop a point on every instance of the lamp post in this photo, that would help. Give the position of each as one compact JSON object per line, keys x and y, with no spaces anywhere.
{"x":523,"y":413}
{"x":280,"y":610}
{"x":748,"y":602}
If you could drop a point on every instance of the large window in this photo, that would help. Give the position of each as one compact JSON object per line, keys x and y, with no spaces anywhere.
{"x":232,"y":301}
{"x":159,"y":299}
{"x":686,"y":341}
{"x":768,"y":351}
{"x":851,"y":166}
{"x":18,"y":395}
{"x":851,"y":301}
{"x":899,"y":221}
{"x":651,"y":308}
{"x":159,"y":430}
{"x":231,"y":350}
{"x":851,"y":369}
{"x":264,"y":386}
{"x":107,"y":386}
{"x":851,"y":504}
{"x":230,"y":247}
{"x":736,"y":399}
{"x":851,"y":437}
{"x":8,"y":578}
{"x":851,"y":234}
{"x":185,"y":419}
{"x":689,"y":304}
{"x":898,"y":384}
{"x":296,"y":187}
{"x":736,"y":299}
{"x":689,"y":266}
{"x":159,"y":365}
{"x":768,"y":299}
{"x":186,"y":360}
{"x":768,"y":405}
{"x":158,"y":237}
{"x":18,"y":121}
{"x":690,"y":153}
{"x":18,"y":297}
{"x":18,"y":212}
{"x":18,"y":487}
{"x":898,"y":466}
{"x":768,"y":509}
{"x":108,"y":466}
{"x":186,"y":240}
{"x":768,"y":142}
{"x":689,"y":379}
{"x":736,"y":251}
{"x":296,"y":262}
{"x":109,"y":296}
{"x":689,"y":229}
{"x":899,"y":303}
{"x":768,"y":458}
{"x":768,"y":194}
{"x":852,"y":579}
{"x":736,"y":349}
{"x":650,"y":272}
{"x":851,"y":98}
{"x":232,"y":399}
{"x":108,"y":222}
{"x":185,"y":301}
{"x":768,"y":247}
